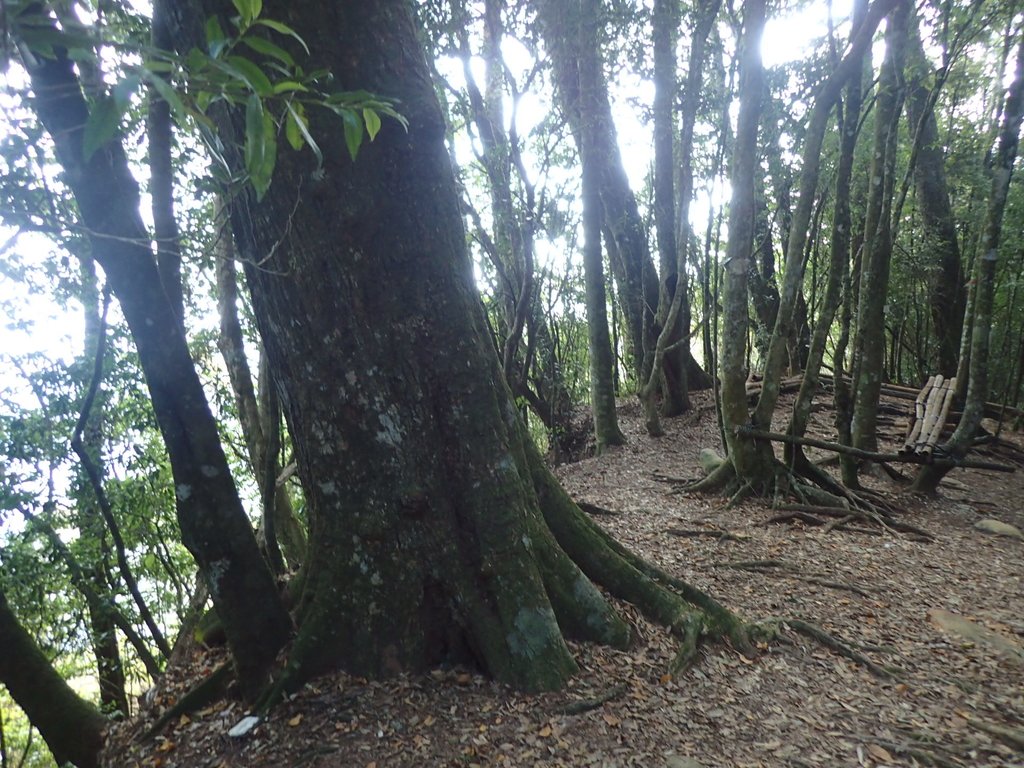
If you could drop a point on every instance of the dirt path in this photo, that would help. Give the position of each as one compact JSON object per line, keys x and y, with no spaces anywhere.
{"x":949,"y":615}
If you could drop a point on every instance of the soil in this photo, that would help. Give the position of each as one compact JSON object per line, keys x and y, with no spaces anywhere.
{"x":947,"y":616}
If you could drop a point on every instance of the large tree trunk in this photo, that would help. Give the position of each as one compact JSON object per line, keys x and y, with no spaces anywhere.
{"x":72,"y":727}
{"x":435,"y":531}
{"x":213,"y":523}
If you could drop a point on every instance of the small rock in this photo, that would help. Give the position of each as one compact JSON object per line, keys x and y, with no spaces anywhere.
{"x":244,"y":726}
{"x":999,"y":528}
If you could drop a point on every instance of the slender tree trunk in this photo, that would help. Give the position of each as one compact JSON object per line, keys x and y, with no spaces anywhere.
{"x":213,"y":523}
{"x":106,"y":649}
{"x":751,"y":461}
{"x":602,"y":394}
{"x":72,"y":727}
{"x":959,"y":444}
{"x":875,"y":267}
{"x":632,"y":264}
{"x":160,"y":133}
{"x":254,"y":421}
{"x":825,"y":99}
{"x":839,"y":244}
{"x":673,"y":224}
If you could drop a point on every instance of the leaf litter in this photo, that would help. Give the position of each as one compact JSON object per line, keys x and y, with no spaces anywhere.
{"x":946,"y":616}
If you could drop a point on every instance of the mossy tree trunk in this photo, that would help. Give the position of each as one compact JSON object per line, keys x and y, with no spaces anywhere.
{"x":71,"y":727}
{"x":436,"y":532}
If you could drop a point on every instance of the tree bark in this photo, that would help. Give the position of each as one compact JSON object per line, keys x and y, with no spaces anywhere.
{"x":72,"y":727}
{"x":211,"y":517}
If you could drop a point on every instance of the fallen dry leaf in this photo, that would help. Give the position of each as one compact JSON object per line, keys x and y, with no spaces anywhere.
{"x":295,"y":720}
{"x":879,"y":753}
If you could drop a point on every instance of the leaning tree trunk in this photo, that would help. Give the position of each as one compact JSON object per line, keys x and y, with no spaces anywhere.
{"x":213,"y":523}
{"x":435,"y":530}
{"x":72,"y":727}
{"x":959,"y":444}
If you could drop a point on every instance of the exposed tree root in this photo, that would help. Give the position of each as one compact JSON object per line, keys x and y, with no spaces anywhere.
{"x":1012,"y":737}
{"x":593,"y":509}
{"x":815,"y":632}
{"x":720,"y":535}
{"x":790,"y":570}
{"x":206,"y":691}
{"x":586,"y":705}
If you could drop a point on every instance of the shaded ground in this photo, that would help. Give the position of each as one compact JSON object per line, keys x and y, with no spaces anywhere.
{"x":799,"y":704}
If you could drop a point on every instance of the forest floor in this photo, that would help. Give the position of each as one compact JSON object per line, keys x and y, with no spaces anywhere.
{"x":947,"y":614}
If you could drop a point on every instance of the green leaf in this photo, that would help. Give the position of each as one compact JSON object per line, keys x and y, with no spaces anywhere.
{"x":302,"y":124}
{"x":372,"y":120}
{"x":260,"y":145}
{"x":248,"y":10}
{"x":294,"y":126}
{"x":289,"y":86}
{"x":267,"y":48}
{"x":216,"y":40}
{"x":125,"y":88}
{"x":168,"y":94}
{"x":250,"y":74}
{"x":284,"y":29}
{"x":104,"y":117}
{"x":353,"y":131}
